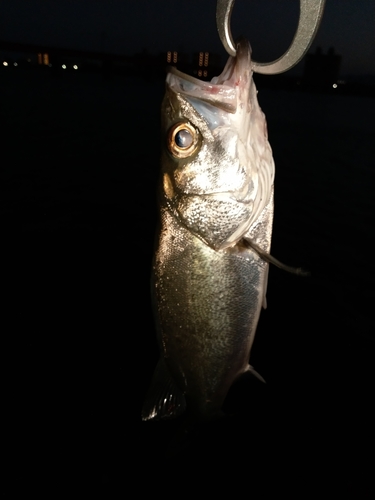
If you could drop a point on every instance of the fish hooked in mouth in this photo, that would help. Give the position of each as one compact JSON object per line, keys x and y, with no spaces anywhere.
{"x":216,"y":191}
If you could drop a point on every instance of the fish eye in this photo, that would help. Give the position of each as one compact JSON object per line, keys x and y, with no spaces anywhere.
{"x":182,"y":140}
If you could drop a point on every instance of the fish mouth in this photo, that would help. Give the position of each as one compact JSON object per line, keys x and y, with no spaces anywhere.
{"x":221,"y":190}
{"x":221,"y":91}
{"x":238,"y":67}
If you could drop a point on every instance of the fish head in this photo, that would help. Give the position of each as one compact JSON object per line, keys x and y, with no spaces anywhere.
{"x":217,"y":165}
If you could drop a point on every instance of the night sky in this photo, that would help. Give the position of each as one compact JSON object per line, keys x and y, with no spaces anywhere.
{"x":128,"y":26}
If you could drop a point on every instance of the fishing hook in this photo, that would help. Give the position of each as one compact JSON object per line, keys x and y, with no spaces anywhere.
{"x":311,"y":12}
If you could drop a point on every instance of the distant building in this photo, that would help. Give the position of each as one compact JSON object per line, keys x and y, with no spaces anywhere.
{"x":201,"y":61}
{"x":322,"y":70}
{"x":205,"y":64}
{"x":172,"y":56}
{"x":43,"y":58}
{"x":176,"y":57}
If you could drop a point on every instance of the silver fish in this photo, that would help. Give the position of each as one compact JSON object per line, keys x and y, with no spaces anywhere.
{"x":216,"y":207}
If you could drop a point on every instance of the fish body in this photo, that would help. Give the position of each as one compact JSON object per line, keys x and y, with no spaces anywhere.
{"x":216,"y":195}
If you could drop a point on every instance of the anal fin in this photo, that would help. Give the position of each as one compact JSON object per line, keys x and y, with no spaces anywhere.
{"x":164,"y":399}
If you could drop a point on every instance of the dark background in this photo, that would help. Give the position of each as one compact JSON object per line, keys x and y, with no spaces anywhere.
{"x":128,"y":26}
{"x":79,"y":168}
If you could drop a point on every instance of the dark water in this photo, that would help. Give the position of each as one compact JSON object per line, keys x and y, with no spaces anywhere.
{"x":79,"y":166}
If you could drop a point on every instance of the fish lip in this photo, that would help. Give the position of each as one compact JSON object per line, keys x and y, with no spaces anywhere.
{"x":238,"y":67}
{"x":173,"y":70}
{"x":235,"y":67}
{"x":222,"y":90}
{"x":220,"y":96}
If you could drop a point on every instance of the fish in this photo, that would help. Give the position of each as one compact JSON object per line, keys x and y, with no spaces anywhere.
{"x":210,"y":271}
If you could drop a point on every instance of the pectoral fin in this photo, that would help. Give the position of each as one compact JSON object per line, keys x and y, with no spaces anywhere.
{"x":163,"y":399}
{"x":271,"y":260}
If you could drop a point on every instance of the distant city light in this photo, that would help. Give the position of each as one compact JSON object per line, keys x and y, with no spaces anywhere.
{"x":75,"y":66}
{"x":174,"y":57}
{"x":63,"y":66}
{"x":334,"y":85}
{"x":5,"y":63}
{"x":15,"y":64}
{"x":169,"y":56}
{"x":206,"y":56}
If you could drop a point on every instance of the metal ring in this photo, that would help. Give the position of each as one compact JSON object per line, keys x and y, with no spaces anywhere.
{"x":311,"y":12}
